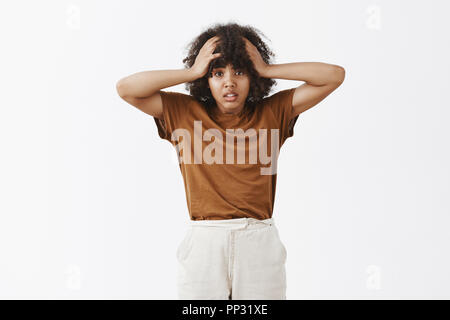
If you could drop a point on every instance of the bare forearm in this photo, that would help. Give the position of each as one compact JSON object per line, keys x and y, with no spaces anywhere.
{"x":315,"y":73}
{"x":144,"y":84}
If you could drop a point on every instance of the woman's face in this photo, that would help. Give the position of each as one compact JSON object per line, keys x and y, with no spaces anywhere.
{"x":227,"y":79}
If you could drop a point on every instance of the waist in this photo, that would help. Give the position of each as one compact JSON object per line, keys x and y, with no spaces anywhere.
{"x":231,"y":223}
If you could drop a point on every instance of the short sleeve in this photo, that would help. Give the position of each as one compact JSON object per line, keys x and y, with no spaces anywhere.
{"x":174,"y":109}
{"x":281,"y":105}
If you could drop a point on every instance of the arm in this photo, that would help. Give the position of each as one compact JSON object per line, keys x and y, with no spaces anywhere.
{"x":320,"y":80}
{"x":141,"y":89}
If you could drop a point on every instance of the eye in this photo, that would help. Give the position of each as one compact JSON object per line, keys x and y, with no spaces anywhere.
{"x":214,"y":73}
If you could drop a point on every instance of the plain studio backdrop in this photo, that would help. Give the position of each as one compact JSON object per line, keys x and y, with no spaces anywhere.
{"x":92,"y":201}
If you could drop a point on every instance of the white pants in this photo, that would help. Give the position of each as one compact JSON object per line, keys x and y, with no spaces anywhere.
{"x":238,"y":259}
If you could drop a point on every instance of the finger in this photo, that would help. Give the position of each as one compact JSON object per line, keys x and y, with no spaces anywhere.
{"x":213,"y":42}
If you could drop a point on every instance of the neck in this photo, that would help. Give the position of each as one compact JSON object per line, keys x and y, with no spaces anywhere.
{"x":229,"y":112}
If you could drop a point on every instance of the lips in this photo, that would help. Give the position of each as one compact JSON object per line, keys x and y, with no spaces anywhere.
{"x":230,"y":93}
{"x":230,"y":99}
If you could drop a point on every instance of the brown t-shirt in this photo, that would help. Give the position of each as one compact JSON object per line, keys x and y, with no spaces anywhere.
{"x":228,"y":173}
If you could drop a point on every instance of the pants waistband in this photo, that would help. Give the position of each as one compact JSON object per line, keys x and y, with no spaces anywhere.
{"x":231,"y":223}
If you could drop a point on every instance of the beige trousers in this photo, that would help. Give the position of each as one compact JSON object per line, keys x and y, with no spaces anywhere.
{"x":238,"y":259}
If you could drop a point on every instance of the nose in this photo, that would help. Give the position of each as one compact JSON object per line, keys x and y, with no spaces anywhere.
{"x":229,"y":81}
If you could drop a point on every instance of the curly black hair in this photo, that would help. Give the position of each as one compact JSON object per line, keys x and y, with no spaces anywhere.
{"x":232,"y":49}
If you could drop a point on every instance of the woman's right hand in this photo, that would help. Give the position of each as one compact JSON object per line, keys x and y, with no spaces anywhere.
{"x":205,"y":56}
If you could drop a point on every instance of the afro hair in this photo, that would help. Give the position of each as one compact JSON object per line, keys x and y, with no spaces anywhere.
{"x":232,"y":49}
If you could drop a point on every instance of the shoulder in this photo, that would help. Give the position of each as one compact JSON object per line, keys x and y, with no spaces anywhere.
{"x":279,"y":96}
{"x":176,"y":100}
{"x":176,"y":96}
{"x":181,"y":106}
{"x":279,"y":102}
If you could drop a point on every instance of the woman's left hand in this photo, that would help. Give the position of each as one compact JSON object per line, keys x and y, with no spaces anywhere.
{"x":258,"y":62}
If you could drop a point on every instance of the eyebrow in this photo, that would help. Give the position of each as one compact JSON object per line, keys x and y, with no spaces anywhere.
{"x":224,"y":68}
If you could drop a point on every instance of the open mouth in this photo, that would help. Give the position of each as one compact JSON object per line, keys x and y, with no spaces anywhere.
{"x":231,"y":98}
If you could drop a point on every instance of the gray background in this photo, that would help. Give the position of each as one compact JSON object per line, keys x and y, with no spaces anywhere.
{"x":93,"y":204}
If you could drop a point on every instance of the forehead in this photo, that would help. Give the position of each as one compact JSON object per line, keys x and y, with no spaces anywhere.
{"x":229,"y":66}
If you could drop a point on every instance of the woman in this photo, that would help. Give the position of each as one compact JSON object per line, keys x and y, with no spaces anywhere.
{"x":232,"y":249}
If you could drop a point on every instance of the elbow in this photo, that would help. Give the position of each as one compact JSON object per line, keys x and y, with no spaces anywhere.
{"x":120,"y":88}
{"x":338,"y":74}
